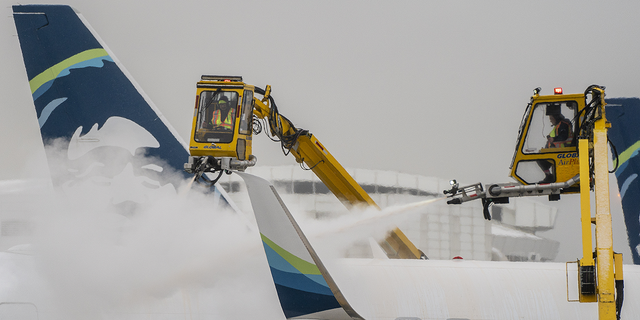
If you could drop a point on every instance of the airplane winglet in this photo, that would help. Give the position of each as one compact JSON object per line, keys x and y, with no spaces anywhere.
{"x":305,"y":287}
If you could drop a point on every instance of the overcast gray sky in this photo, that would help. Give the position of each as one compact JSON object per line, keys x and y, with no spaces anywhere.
{"x":422,"y":87}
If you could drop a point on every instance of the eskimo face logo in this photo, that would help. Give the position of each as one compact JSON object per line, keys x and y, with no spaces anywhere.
{"x":110,"y":159}
{"x":89,"y":92}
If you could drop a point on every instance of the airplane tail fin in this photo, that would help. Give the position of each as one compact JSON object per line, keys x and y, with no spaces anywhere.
{"x":624,"y":134}
{"x":304,"y":286}
{"x":85,"y":98}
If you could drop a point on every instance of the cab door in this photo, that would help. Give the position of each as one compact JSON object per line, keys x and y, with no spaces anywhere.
{"x":245,"y":128}
{"x":222,"y":123}
{"x":547,"y":147}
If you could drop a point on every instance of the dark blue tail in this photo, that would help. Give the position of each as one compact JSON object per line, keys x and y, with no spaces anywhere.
{"x":86,"y":103}
{"x":624,"y":134}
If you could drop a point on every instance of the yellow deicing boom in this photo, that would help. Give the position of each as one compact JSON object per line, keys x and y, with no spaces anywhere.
{"x":571,"y":158}
{"x":221,"y":139}
{"x":604,"y":237}
{"x":307,"y":149}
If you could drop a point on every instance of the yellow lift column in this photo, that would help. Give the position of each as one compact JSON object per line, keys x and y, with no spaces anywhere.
{"x":596,"y":276}
{"x":604,"y":237}
{"x":586,"y":265}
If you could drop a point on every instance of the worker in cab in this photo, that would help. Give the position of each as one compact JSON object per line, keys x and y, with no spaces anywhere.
{"x":223,"y":115}
{"x":561,"y":135}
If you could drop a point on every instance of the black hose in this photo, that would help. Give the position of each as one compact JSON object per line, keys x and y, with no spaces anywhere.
{"x":619,"y":297}
{"x":485,"y":208}
{"x":615,"y":153}
{"x":275,"y":125}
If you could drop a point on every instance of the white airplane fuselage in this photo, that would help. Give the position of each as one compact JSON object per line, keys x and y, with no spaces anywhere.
{"x":466,"y":289}
{"x":377,"y":289}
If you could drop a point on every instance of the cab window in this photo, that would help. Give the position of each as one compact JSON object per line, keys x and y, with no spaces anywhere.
{"x":536,"y":171}
{"x":551,"y":128}
{"x":216,"y":116}
{"x":247,"y":113}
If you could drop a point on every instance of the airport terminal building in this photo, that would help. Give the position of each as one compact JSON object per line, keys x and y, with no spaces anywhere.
{"x":441,"y":231}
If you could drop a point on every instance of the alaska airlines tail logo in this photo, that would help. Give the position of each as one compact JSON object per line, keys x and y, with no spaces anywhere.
{"x":103,"y":124}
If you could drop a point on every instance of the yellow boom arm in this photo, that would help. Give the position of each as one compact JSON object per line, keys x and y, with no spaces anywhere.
{"x":221,"y":140}
{"x":306,"y":148}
